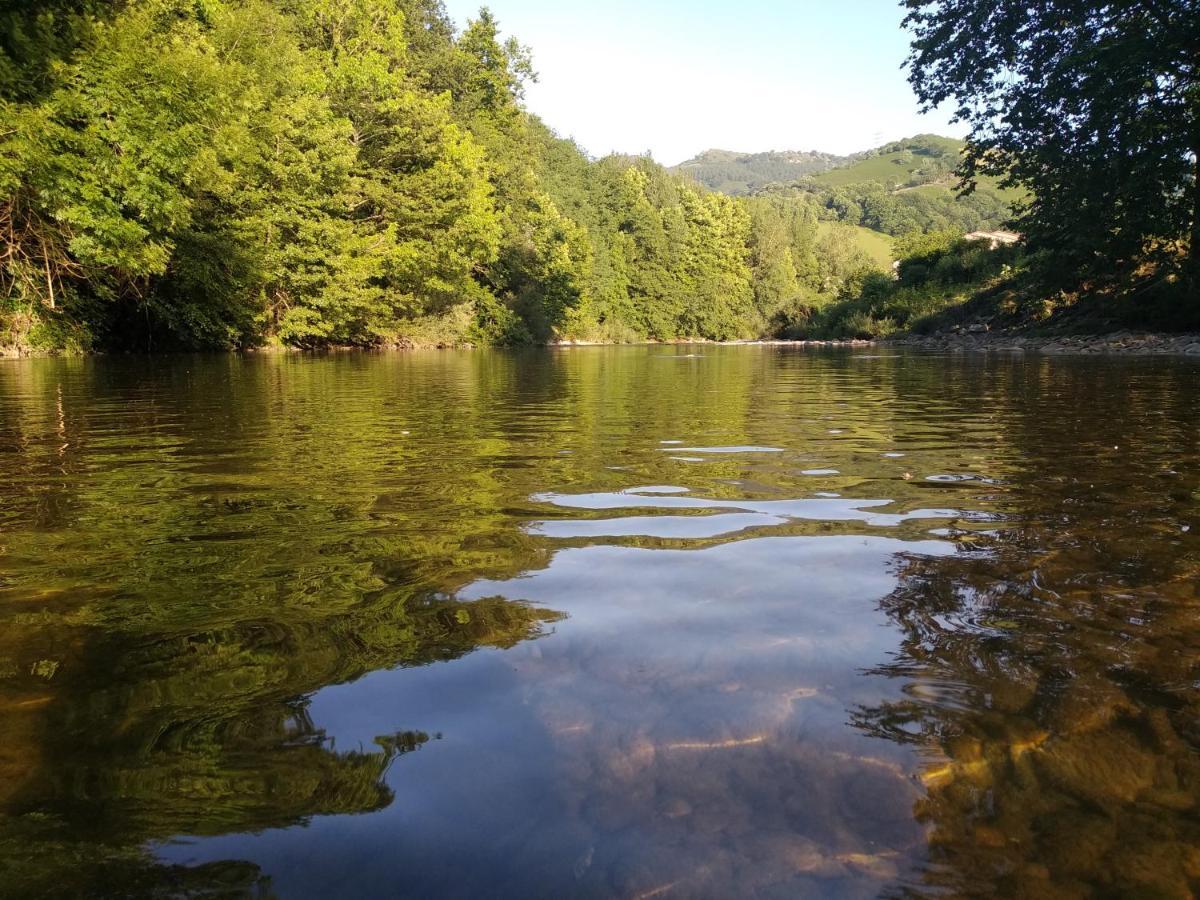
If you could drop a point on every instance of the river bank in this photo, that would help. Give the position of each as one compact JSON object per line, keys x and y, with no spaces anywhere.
{"x":1124,"y":342}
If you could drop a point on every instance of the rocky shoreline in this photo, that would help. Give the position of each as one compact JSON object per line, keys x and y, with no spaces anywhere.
{"x":1122,"y":342}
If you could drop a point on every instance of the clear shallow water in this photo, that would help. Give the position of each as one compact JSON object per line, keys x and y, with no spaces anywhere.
{"x":602,"y":622}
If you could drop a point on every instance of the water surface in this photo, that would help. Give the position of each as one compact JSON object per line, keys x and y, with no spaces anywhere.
{"x":600,"y":622}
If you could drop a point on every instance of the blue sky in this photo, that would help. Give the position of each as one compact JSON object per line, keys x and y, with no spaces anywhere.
{"x":676,"y":78}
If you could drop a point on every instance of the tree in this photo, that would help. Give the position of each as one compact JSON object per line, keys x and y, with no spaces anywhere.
{"x":717,"y":275}
{"x":96,"y":180}
{"x":548,"y":270}
{"x":775,"y":279}
{"x":1094,"y":107}
{"x":34,"y":37}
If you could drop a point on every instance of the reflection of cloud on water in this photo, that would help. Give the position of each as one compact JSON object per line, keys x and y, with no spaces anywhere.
{"x":682,"y":733}
{"x":718,"y":516}
{"x":694,"y":527}
{"x":726,"y":450}
{"x":695,"y":702}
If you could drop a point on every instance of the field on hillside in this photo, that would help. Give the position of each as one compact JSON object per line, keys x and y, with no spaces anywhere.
{"x":926,"y":158}
{"x":927,"y":163}
{"x":877,"y":246}
{"x":741,"y":174}
{"x":947,"y":189}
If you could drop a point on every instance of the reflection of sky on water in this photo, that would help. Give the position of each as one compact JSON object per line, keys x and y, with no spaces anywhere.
{"x":218,"y":571}
{"x":755,"y":514}
{"x":644,"y":742}
{"x":725,"y":450}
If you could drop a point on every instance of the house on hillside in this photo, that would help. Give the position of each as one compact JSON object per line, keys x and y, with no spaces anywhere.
{"x":994,"y":238}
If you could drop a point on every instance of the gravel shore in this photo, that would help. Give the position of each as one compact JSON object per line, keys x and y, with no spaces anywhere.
{"x":1123,"y":342}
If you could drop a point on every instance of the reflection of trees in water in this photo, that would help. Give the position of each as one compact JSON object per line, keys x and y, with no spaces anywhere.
{"x":262,"y":775}
{"x":1067,"y":722}
{"x":149,"y":736}
{"x":1071,"y":758}
{"x":1055,"y":672}
{"x":182,"y":567}
{"x":191,"y":548}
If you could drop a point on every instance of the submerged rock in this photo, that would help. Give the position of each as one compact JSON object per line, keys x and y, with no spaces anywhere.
{"x":1107,"y":768}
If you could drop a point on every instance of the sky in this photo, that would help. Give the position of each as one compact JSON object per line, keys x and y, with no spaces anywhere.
{"x":675,"y":78}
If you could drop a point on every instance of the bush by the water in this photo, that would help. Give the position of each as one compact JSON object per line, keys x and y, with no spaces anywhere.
{"x":935,"y":272}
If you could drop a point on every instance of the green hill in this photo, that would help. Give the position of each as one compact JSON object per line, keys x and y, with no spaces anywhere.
{"x":924,"y":159}
{"x":741,"y":174}
{"x":923,"y":164}
{"x":907,"y":185}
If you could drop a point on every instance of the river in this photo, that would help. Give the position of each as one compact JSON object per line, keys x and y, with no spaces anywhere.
{"x":600,"y":622}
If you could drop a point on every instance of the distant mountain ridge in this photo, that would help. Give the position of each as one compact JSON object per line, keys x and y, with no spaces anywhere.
{"x":739,"y":174}
{"x":893,"y":189}
{"x":909,"y":162}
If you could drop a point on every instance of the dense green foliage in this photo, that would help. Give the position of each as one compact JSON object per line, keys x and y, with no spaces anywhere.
{"x":899,"y":212}
{"x":247,"y":173}
{"x":1094,"y":109}
{"x":936,"y":272}
{"x":234,"y":173}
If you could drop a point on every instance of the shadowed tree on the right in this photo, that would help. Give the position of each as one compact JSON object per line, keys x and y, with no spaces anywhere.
{"x":1094,"y":108}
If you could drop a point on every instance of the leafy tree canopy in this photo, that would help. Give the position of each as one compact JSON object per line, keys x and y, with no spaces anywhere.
{"x":1093,"y":108}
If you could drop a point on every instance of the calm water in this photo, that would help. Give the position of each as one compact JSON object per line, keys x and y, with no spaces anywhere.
{"x":636,"y":623}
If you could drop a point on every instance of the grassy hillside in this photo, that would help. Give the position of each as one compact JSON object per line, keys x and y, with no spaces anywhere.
{"x":923,"y":164}
{"x":907,"y":185}
{"x":946,"y":189}
{"x":741,"y":174}
{"x":877,"y":246}
{"x":924,"y":159}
